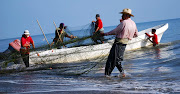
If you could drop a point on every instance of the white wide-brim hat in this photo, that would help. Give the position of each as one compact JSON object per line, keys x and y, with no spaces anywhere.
{"x":26,"y":32}
{"x":127,"y":11}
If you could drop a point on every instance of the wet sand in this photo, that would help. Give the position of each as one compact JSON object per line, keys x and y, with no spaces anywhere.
{"x":85,"y":92}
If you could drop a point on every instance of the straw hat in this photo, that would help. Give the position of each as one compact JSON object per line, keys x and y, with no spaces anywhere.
{"x":26,"y":32}
{"x":127,"y":11}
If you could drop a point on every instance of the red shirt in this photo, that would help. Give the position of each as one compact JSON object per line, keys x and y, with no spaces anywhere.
{"x":154,"y":38}
{"x":28,"y":41}
{"x":99,"y":23}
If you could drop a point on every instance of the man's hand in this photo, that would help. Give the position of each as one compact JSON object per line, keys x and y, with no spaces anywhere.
{"x":72,"y":37}
{"x":147,"y":35}
{"x":93,"y":21}
{"x":75,"y":36}
{"x":65,"y":27}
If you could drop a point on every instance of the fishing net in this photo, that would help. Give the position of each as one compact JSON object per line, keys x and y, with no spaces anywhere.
{"x":83,"y":36}
{"x":73,"y":48}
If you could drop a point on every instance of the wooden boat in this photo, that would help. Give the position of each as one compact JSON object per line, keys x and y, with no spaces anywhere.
{"x":77,"y":54}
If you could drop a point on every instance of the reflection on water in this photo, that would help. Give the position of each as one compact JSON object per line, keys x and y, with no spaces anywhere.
{"x":157,"y":53}
{"x":148,"y":70}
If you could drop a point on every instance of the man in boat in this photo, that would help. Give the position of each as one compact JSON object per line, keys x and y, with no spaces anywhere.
{"x":124,"y":32}
{"x":26,"y":42}
{"x":60,"y":34}
{"x":154,"y":37}
{"x":98,"y":30}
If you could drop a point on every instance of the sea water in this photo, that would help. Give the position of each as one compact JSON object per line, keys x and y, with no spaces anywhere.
{"x":148,"y":70}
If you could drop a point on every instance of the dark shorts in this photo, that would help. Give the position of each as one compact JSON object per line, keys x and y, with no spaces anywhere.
{"x":57,"y":42}
{"x":25,"y":58}
{"x":97,"y":36}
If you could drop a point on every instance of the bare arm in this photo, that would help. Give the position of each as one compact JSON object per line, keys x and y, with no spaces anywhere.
{"x":97,"y":29}
{"x":33,"y":45}
{"x":70,"y":36}
{"x":136,"y":33}
{"x":148,"y":35}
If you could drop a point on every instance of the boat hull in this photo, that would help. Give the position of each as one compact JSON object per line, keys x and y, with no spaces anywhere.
{"x":77,"y":54}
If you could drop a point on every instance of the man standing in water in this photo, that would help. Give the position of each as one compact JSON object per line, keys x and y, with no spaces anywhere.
{"x":26,"y":40}
{"x":154,"y":37}
{"x":124,"y":32}
{"x":98,"y":30}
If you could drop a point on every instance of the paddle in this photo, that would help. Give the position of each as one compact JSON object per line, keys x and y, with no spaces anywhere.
{"x":150,"y":40}
{"x":44,"y":37}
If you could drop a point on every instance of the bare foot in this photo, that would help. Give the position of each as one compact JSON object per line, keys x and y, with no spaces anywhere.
{"x":50,"y":68}
{"x":107,"y":76}
{"x":123,"y":75}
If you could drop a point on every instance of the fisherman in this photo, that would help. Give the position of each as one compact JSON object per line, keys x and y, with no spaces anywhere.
{"x":60,"y":34}
{"x":98,"y":30}
{"x":26,"y":40}
{"x":124,"y":32}
{"x":154,"y":37}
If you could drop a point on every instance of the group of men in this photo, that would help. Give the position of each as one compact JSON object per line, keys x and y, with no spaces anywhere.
{"x":26,"y":42}
{"x":124,"y":32}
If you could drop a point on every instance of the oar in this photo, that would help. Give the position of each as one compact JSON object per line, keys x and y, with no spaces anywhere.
{"x":150,"y":40}
{"x":43,"y":33}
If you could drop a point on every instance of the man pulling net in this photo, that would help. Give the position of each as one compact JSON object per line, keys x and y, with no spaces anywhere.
{"x":60,"y":33}
{"x":98,"y":30}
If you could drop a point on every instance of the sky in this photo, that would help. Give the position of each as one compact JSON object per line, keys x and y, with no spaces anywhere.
{"x":19,"y":15}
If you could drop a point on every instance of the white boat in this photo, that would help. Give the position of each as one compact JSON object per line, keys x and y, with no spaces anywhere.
{"x":77,"y":54}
